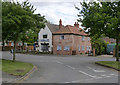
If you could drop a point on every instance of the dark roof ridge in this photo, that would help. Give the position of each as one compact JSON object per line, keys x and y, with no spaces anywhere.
{"x":52,"y":27}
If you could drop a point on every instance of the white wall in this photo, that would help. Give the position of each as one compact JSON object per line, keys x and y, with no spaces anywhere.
{"x":49,"y":36}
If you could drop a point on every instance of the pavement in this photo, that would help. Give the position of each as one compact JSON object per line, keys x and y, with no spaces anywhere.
{"x":105,"y":56}
{"x":66,"y":69}
{"x":0,"y":77}
{"x":7,"y":78}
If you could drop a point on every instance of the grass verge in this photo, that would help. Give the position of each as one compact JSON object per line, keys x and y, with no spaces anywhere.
{"x":111,"y":64}
{"x":16,"y":68}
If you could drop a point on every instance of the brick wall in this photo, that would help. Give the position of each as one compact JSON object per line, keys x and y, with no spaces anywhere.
{"x":73,"y":41}
{"x":7,"y":48}
{"x":77,"y":41}
{"x":65,"y":42}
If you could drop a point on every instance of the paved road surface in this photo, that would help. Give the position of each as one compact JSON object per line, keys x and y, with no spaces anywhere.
{"x":67,"y":69}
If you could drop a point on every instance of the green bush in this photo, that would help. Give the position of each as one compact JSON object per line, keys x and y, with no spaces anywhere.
{"x":29,"y":44}
{"x":101,"y":47}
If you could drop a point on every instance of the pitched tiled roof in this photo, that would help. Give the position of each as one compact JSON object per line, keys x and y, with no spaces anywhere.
{"x":70,"y":30}
{"x":53,"y":27}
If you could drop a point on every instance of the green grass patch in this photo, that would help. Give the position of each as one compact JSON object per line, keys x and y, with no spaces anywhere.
{"x":0,"y":64}
{"x":16,"y":68}
{"x":113,"y":64}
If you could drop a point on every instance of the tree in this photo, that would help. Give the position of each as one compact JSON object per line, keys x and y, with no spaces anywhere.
{"x":28,"y":36}
{"x":98,"y":44}
{"x":101,"y":18}
{"x":17,"y":19}
{"x":0,"y":22}
{"x":5,"y":31}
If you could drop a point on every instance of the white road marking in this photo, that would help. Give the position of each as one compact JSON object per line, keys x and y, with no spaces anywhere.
{"x":98,"y":77}
{"x":70,"y":67}
{"x":104,"y":75}
{"x":66,"y":82}
{"x":65,"y":65}
{"x":59,"y":62}
{"x":95,"y":70}
{"x":113,"y":75}
{"x":88,"y":74}
{"x":76,"y":81}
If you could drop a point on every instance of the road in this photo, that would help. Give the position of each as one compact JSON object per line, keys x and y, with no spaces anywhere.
{"x":67,"y":69}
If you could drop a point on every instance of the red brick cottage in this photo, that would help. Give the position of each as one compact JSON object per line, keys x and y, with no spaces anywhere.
{"x":70,"y":40}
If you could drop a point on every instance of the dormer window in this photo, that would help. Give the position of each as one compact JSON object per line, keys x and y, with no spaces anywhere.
{"x":83,"y":38}
{"x":62,"y":37}
{"x":88,"y":38}
{"x":45,"y":36}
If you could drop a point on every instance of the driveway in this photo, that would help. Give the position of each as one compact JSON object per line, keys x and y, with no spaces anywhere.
{"x":67,"y":69}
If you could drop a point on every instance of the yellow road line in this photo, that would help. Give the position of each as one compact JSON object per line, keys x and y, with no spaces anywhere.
{"x":26,"y":77}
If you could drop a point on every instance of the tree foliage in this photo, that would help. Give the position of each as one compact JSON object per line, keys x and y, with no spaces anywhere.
{"x":101,"y":18}
{"x":17,"y":19}
{"x":0,"y":21}
{"x":99,"y":44}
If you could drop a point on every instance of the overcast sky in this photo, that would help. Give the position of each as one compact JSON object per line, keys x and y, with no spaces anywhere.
{"x":54,"y":10}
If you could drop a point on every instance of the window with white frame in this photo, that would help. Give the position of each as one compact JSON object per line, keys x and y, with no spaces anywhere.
{"x":12,"y":44}
{"x":19,"y":44}
{"x":61,"y":37}
{"x":88,"y":38}
{"x":59,"y":47}
{"x":83,"y":38}
{"x":83,"y":48}
{"x":66,"y":48}
{"x":78,"y":48}
{"x":87,"y":48}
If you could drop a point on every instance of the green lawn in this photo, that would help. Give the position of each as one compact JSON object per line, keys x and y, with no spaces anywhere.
{"x":16,"y":68}
{"x":0,"y":64}
{"x":113,"y":64}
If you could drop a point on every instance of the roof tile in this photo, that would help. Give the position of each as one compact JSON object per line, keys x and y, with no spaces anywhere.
{"x":70,"y":29}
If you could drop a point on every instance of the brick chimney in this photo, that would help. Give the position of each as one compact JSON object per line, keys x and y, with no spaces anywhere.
{"x":77,"y":25}
{"x":60,"y":24}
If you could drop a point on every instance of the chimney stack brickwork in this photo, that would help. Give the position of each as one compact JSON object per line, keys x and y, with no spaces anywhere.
{"x":60,"y":24}
{"x":76,"y":24}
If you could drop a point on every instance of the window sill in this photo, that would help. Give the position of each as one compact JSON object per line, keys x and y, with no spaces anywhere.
{"x":66,"y":50}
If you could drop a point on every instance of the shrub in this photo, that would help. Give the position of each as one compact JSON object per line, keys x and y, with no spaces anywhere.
{"x":80,"y":53}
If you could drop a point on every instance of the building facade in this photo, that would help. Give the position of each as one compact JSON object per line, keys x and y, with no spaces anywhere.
{"x":45,"y":37}
{"x":11,"y":43}
{"x":71,"y":40}
{"x":109,"y":40}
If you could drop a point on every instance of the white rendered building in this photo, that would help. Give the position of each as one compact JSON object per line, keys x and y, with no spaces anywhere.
{"x":45,"y":37}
